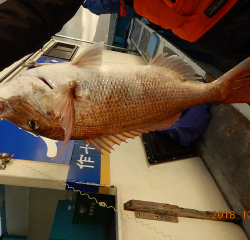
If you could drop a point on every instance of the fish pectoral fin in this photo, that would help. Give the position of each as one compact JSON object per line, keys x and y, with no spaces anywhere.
{"x":175,"y":64}
{"x":91,"y":57}
{"x":64,"y":108}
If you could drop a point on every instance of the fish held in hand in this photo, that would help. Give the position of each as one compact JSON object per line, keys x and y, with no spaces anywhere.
{"x":104,"y":104}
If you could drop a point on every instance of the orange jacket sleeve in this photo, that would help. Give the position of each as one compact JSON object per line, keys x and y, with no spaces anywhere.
{"x":189,"y":19}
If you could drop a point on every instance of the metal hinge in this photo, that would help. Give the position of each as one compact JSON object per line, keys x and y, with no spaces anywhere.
{"x":170,"y":213}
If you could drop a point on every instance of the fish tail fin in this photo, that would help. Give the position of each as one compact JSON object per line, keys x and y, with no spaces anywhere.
{"x":235,"y":84}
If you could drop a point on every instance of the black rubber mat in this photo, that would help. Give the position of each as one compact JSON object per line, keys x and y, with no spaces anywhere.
{"x":161,"y":148}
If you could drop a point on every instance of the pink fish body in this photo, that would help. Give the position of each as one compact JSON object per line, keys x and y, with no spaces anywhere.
{"x":103,"y":104}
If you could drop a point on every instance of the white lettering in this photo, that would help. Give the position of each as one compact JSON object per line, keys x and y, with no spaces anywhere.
{"x":84,"y":160}
{"x":86,"y":148}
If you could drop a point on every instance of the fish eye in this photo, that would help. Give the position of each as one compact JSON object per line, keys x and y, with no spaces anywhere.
{"x":34,"y":124}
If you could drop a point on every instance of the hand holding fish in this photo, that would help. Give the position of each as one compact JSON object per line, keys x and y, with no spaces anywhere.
{"x":104,"y":104}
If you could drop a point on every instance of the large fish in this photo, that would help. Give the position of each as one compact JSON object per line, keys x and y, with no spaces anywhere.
{"x":104,"y":104}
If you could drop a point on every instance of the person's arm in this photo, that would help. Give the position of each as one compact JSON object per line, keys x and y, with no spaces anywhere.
{"x":26,"y":25}
{"x":107,"y":4}
{"x":106,"y":7}
{"x":102,"y":7}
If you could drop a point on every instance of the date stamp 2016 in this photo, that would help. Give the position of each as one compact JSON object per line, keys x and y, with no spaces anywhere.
{"x":230,"y":215}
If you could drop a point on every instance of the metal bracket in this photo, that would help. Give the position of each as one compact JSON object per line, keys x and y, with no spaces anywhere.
{"x":4,"y":158}
{"x":170,"y":213}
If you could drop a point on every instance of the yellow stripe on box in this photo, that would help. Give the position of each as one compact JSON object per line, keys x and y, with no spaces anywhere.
{"x":105,"y":172}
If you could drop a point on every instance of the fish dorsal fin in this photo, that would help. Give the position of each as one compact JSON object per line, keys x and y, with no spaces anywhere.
{"x":91,"y":57}
{"x":64,"y":108}
{"x":107,"y":142}
{"x":175,"y":64}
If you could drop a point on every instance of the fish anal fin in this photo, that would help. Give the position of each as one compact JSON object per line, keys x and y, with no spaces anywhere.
{"x":91,"y":57}
{"x":175,"y":64}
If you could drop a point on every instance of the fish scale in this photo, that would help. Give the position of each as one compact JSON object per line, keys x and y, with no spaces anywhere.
{"x":141,"y":105}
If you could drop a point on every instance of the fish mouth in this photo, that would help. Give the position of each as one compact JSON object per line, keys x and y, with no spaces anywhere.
{"x":44,"y":81}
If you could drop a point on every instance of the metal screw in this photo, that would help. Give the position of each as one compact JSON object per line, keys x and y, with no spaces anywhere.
{"x":138,"y":214}
{"x":156,"y":217}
